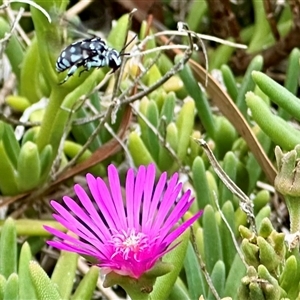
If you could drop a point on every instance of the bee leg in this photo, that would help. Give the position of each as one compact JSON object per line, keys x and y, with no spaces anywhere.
{"x":84,"y":70}
{"x":86,"y":67}
{"x":71,"y":71}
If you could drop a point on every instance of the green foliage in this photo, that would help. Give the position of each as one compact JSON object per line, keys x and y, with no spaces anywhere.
{"x":148,"y":147}
{"x":27,"y":166}
{"x":23,"y":278}
{"x":14,"y":49}
{"x":201,"y":102}
{"x":273,"y":272}
{"x":248,"y":83}
{"x":196,"y":283}
{"x":23,"y":168}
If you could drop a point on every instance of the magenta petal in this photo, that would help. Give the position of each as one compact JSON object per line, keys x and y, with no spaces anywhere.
{"x":70,"y":222}
{"x":103,"y":199}
{"x":106,"y":206}
{"x":179,"y":210}
{"x":138,"y":193}
{"x":178,"y":231}
{"x":93,"y":218}
{"x":115,"y":189}
{"x":81,"y":231}
{"x":130,"y":198}
{"x":166,"y":205}
{"x":67,"y":239}
{"x":155,"y":200}
{"x":82,"y":247}
{"x":78,"y":211}
{"x":148,"y":190}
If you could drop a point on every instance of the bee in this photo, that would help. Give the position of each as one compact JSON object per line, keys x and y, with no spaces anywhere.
{"x":88,"y":53}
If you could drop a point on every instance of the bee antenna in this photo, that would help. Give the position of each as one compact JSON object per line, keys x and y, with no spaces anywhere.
{"x":123,"y":53}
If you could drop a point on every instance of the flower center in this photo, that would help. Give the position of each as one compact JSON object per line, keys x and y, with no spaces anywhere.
{"x":129,"y":244}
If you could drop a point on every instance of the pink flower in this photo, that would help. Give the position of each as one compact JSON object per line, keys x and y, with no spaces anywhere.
{"x":126,"y":235}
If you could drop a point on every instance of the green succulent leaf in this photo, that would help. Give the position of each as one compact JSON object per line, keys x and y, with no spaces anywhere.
{"x":11,"y":291}
{"x":26,"y":289}
{"x":194,"y":277}
{"x":8,"y":248}
{"x":87,"y":285}
{"x":64,"y":273}
{"x":44,"y":287}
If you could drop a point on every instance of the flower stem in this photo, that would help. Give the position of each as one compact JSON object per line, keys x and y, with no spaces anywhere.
{"x":135,"y":294}
{"x":293,"y":204}
{"x":137,"y":289}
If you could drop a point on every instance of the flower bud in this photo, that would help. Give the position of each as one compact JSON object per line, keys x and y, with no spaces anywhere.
{"x":287,"y":180}
{"x":288,"y":184}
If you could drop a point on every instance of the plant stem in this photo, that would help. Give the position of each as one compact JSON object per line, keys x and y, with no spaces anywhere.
{"x":293,"y":204}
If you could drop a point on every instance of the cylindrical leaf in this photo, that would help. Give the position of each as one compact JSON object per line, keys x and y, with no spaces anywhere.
{"x":212,"y":239}
{"x":230,"y":168}
{"x":8,"y":249}
{"x":200,"y":183}
{"x":12,"y":288}
{"x":44,"y":287}
{"x":236,"y":273}
{"x":64,"y":273}
{"x":279,"y":94}
{"x":281,"y":132}
{"x":248,"y":83}
{"x":29,"y":167}
{"x":26,"y":287}
{"x":185,"y":123}
{"x":179,"y":292}
{"x":288,"y":277}
{"x":229,"y":82}
{"x":218,"y":276}
{"x":87,"y":285}
{"x":152,"y":115}
{"x":194,"y":90}
{"x":228,"y":247}
{"x":138,"y":150}
{"x":194,"y":277}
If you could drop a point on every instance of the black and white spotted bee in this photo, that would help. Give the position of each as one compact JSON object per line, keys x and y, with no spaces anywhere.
{"x":88,"y":53}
